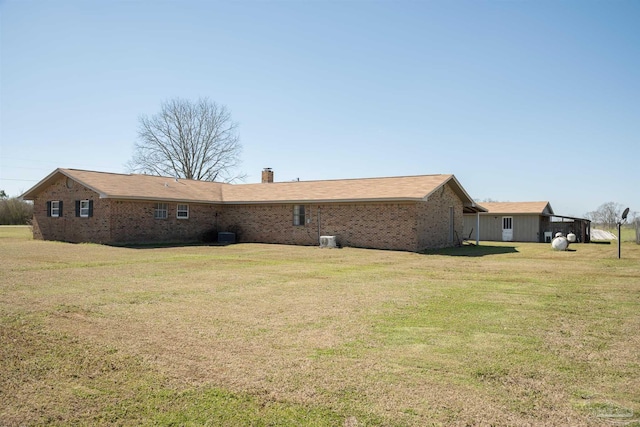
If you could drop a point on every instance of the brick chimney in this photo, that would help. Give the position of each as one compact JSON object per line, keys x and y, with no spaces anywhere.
{"x":267,"y":175}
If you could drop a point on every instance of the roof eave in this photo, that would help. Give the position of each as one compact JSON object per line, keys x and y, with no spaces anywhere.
{"x":473,"y":208}
{"x":467,"y":202}
{"x":463,"y":192}
{"x":160,"y":199}
{"x":515,"y":213}
{"x":31,"y":193}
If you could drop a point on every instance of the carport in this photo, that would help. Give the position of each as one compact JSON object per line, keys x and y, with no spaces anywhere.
{"x":475,"y":209}
{"x":581,"y":227}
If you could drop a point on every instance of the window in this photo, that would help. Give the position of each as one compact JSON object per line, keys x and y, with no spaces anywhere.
{"x":160,"y":211}
{"x":507,"y":223}
{"x":54,"y":208}
{"x":182,"y":212}
{"x":84,"y":208}
{"x":298,"y":215}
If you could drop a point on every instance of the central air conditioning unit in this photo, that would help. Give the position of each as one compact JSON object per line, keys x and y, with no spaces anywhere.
{"x":328,"y":242}
{"x":226,"y":237}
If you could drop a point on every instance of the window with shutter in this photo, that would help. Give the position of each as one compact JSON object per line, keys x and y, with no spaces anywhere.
{"x":84,"y":208}
{"x":55,"y":208}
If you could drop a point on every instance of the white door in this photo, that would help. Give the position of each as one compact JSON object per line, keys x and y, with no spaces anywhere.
{"x":507,"y":228}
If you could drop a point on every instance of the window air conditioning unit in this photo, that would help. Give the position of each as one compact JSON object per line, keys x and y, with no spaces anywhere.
{"x":328,"y":242}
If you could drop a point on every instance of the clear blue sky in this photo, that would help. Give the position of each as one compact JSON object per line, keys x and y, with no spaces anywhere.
{"x":521,"y":100}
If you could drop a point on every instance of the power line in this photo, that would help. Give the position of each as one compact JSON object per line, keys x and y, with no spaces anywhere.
{"x":25,"y":167}
{"x":54,"y":163}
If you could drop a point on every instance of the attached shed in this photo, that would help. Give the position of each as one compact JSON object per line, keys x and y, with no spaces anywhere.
{"x":522,"y":222}
{"x":510,"y":221}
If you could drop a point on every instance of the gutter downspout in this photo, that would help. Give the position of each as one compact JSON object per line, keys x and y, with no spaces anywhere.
{"x":319,"y":226}
{"x":478,"y":228}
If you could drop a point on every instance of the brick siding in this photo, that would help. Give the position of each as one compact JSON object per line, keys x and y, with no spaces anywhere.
{"x":68,"y":227}
{"x":368,"y":225}
{"x":410,"y":226}
{"x":117,"y":221}
{"x":434,"y":220}
{"x":134,"y":222}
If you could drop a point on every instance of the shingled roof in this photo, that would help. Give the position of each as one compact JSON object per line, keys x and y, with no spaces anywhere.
{"x":147,"y":187}
{"x":514,"y":208}
{"x":404,"y":188}
{"x":136,"y":187}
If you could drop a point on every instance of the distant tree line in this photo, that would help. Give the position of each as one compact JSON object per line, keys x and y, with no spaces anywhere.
{"x":14,"y":211}
{"x":608,"y":215}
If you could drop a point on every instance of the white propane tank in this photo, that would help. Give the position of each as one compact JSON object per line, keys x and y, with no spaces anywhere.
{"x":571,"y":238}
{"x":560,"y":243}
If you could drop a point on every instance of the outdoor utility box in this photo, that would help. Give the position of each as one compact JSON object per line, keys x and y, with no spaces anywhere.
{"x":328,"y":242}
{"x":226,"y":237}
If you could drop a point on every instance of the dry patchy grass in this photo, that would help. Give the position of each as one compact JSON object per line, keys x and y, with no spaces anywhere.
{"x":504,"y":334}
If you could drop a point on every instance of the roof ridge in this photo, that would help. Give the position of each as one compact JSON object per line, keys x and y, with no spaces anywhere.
{"x":139,"y":174}
{"x":92,"y":171}
{"x":143,"y":186}
{"x":528,"y":201}
{"x":350,"y":179}
{"x":253,"y":183}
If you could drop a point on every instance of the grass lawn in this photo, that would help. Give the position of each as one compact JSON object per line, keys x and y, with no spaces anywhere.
{"x":273,"y":335}
{"x":627,"y":233}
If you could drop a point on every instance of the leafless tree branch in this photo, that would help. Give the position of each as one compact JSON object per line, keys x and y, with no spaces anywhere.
{"x":192,"y":140}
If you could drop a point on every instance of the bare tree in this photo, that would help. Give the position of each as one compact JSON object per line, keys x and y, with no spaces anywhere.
{"x":486,"y":200}
{"x":606,"y":215}
{"x":192,"y":140}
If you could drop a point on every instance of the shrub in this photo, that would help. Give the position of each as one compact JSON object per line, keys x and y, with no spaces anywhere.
{"x":14,"y":211}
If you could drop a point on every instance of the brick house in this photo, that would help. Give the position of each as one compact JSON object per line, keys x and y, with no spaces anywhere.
{"x":399,"y":213}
